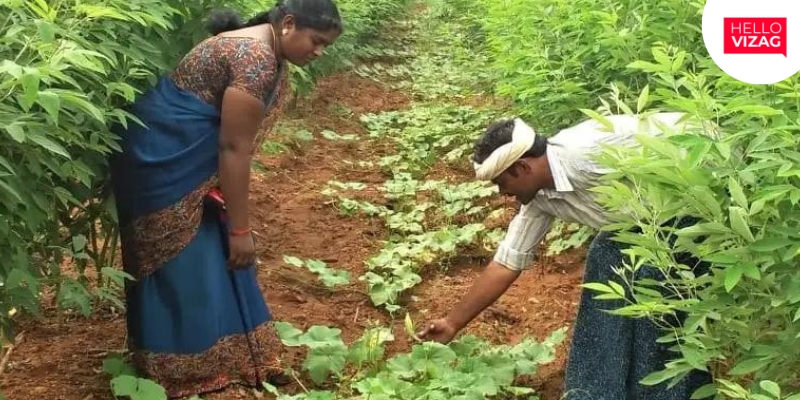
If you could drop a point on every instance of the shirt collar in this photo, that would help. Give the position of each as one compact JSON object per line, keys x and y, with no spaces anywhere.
{"x":560,"y":177}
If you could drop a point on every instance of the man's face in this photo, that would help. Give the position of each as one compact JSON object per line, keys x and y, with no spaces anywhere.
{"x":520,"y":180}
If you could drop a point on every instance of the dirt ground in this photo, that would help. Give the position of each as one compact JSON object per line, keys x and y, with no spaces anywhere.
{"x":60,"y":356}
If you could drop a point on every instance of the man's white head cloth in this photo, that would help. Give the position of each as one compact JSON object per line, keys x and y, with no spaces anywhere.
{"x":501,"y":158}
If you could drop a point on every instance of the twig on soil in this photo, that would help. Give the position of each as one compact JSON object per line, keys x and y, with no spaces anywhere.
{"x":7,"y":356}
{"x":294,"y":375}
{"x":358,"y":309}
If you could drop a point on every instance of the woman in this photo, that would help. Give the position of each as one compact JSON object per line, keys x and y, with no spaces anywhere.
{"x":197,"y":320}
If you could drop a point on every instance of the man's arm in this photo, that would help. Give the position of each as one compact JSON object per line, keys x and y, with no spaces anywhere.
{"x":493,"y":282}
{"x":514,"y":255}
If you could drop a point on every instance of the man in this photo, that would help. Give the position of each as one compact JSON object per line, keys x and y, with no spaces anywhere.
{"x":551,"y":179}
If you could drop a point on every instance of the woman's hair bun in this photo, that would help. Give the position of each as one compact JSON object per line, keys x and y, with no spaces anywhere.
{"x":223,"y":20}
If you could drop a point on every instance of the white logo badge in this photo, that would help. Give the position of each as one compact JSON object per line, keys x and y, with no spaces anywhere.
{"x":754,"y":41}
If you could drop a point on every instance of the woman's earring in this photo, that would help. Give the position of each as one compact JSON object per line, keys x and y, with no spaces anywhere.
{"x":285,"y":31}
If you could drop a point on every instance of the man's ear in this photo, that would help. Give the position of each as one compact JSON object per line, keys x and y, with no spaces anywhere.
{"x":522,"y":167}
{"x":512,"y":170}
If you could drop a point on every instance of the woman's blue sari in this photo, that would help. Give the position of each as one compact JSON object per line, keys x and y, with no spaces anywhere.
{"x":194,"y":325}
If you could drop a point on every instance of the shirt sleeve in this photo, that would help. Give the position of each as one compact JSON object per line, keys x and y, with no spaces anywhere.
{"x":252,"y":68}
{"x":526,"y":230}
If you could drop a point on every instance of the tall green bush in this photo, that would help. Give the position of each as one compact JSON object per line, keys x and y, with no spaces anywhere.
{"x":742,"y":184}
{"x":559,"y":61}
{"x":69,"y":69}
{"x":554,"y":57}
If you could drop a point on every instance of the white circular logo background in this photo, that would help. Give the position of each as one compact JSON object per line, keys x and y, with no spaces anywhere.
{"x":756,"y":38}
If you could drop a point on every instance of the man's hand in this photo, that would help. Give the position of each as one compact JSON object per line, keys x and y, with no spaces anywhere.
{"x":440,"y":330}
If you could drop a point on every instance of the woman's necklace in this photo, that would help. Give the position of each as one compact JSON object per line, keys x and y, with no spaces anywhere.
{"x":274,"y":40}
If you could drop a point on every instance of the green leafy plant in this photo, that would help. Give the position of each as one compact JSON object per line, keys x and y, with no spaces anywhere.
{"x":467,"y":368}
{"x":564,"y":236}
{"x":69,"y":68}
{"x":126,"y":384}
{"x":559,"y":56}
{"x":736,"y":175}
{"x":328,"y":276}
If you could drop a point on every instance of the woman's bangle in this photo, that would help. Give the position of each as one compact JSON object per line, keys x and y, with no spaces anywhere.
{"x":240,"y":232}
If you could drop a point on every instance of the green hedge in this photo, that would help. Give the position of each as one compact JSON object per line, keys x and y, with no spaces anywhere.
{"x":553,"y":57}
{"x":560,"y":60}
{"x":69,"y":68}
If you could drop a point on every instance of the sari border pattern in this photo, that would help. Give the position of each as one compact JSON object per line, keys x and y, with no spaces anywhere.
{"x":246,"y":358}
{"x":154,"y":239}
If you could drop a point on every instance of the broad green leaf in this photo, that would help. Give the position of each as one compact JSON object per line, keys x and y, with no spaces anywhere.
{"x":750,"y":365}
{"x":11,"y":191}
{"x":737,"y":193}
{"x":618,"y":289}
{"x":431,"y":357}
{"x":290,"y":336}
{"x":643,"y":99}
{"x":42,"y":9}
{"x":738,"y":218}
{"x":324,"y":360}
{"x":5,"y":164}
{"x":733,"y":275}
{"x":770,"y":244}
{"x":647,"y":66}
{"x":598,"y":287}
{"x":11,"y":68}
{"x":757,"y":110}
{"x":46,"y":31}
{"x":656,"y":377}
{"x":752,"y":271}
{"x":78,"y":101}
{"x":125,"y":385}
{"x":149,"y":390}
{"x":704,"y":392}
{"x":99,"y":11}
{"x":30,"y":87}
{"x":705,"y":199}
{"x":704,"y":229}
{"x":724,"y":150}
{"x":599,"y":118}
{"x":771,"y":388}
{"x":757,"y":206}
{"x":116,"y":366}
{"x":16,"y":278}
{"x":293,"y":261}
{"x":73,"y":294}
{"x":693,"y":159}
{"x":51,"y":103}
{"x":66,"y":197}
{"x":332,"y":278}
{"x":16,"y":131}
{"x":48,"y":144}
{"x":320,"y":336}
